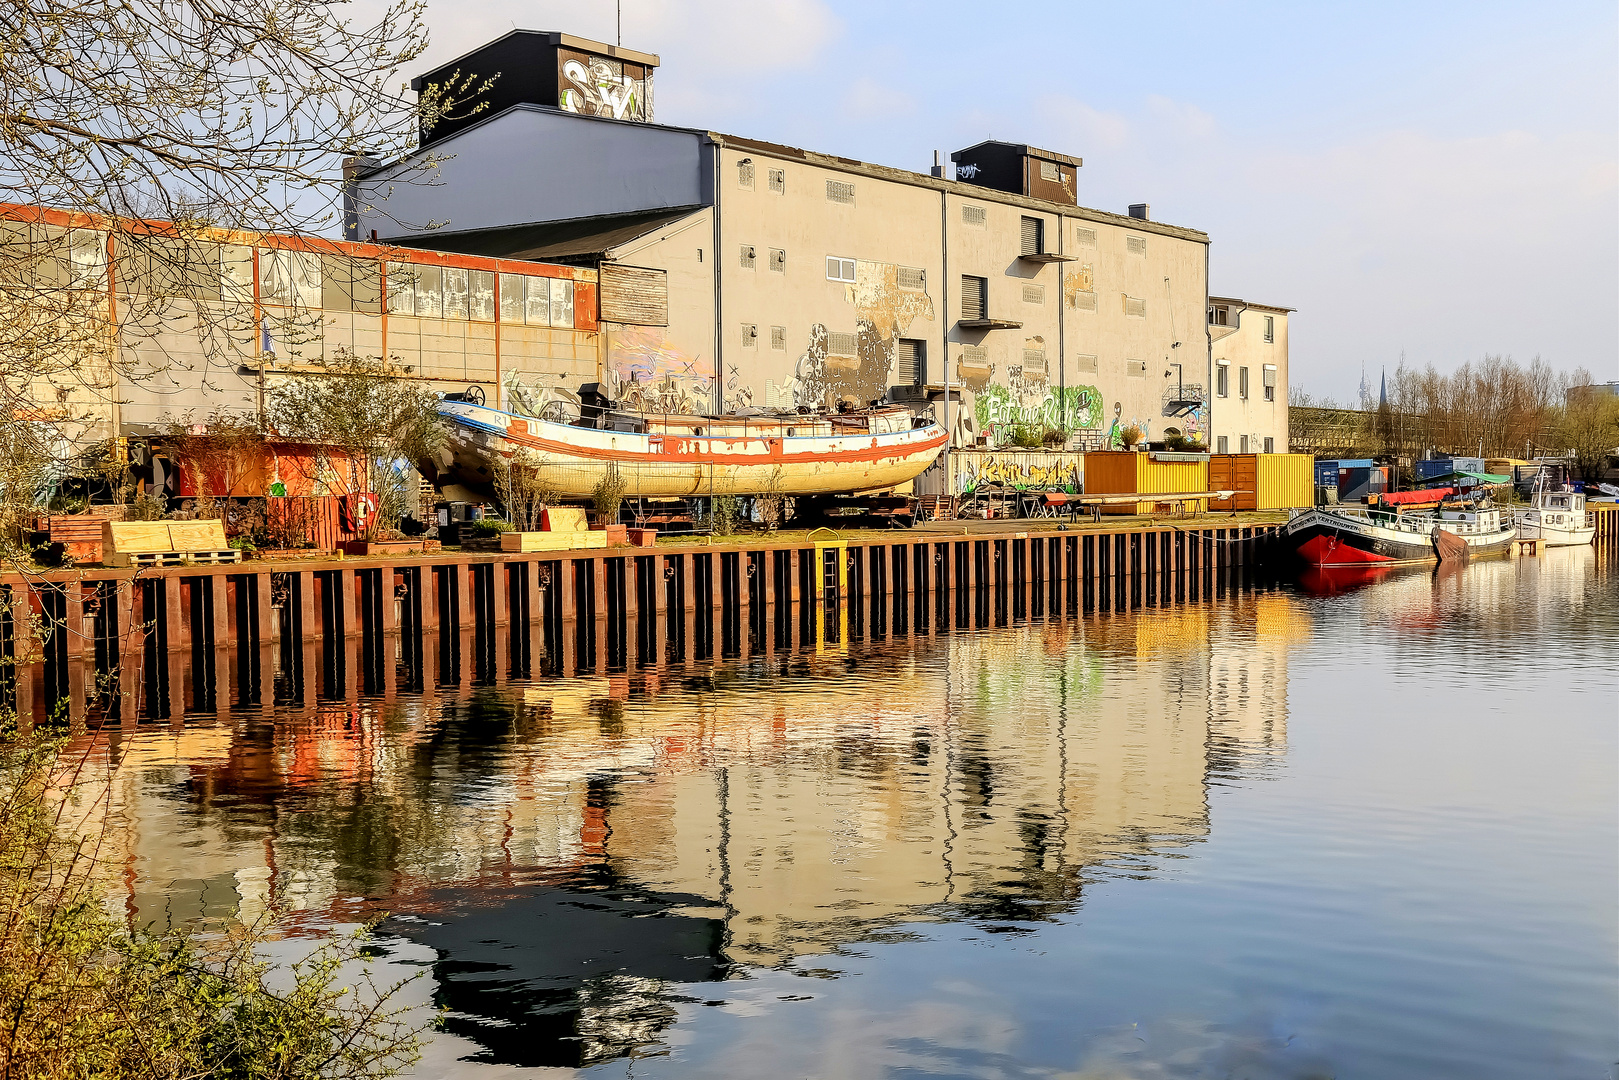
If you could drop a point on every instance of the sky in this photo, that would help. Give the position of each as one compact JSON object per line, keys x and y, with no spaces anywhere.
{"x":1433,"y":181}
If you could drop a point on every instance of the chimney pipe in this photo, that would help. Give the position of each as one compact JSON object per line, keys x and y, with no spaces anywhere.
{"x":938,"y":167}
{"x":1141,"y":211}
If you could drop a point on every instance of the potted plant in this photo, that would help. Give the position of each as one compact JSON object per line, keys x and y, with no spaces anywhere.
{"x":607,"y":497}
{"x":485,"y":534}
{"x":384,"y":541}
{"x":1130,"y":436}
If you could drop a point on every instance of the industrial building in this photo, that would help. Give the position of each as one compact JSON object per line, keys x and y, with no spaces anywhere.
{"x":737,"y":273}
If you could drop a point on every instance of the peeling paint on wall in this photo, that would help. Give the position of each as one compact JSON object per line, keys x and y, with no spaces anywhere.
{"x":1076,"y":279}
{"x":883,"y":314}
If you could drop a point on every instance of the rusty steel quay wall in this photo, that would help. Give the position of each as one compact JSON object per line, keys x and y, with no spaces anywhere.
{"x":160,"y":644}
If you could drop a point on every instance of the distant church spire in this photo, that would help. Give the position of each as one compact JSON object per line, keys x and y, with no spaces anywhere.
{"x":1383,"y":389}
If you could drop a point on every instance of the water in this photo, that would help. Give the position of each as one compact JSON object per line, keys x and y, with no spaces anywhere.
{"x":1277,"y":834}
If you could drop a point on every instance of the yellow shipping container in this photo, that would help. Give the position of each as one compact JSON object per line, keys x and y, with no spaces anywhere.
{"x":1285,"y":481}
{"x":1115,"y":472}
{"x":1262,"y":481}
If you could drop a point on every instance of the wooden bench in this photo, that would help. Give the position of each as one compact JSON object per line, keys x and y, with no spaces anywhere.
{"x":166,"y":543}
{"x":565,"y":528}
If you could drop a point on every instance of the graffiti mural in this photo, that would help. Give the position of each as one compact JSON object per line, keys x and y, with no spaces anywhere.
{"x":649,"y":373}
{"x":883,"y":314}
{"x":998,"y":409}
{"x":1059,"y":471}
{"x":599,"y":86}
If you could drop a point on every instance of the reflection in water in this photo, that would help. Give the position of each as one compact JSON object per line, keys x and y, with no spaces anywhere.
{"x":592,"y":859}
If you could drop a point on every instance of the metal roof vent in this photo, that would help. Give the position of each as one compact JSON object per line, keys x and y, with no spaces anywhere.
{"x":1141,"y":211}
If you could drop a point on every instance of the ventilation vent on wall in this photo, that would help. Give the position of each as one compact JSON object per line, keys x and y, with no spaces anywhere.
{"x":1034,"y":294}
{"x":1082,"y":301}
{"x":1085,"y":364}
{"x":778,"y":337}
{"x":839,"y":192}
{"x":1136,"y":245}
{"x":842,"y":345}
{"x":778,"y":181}
{"x":910,"y":363}
{"x":1049,"y":171}
{"x":748,"y":256}
{"x":1034,"y":362}
{"x":1034,"y":236}
{"x":744,"y":174}
{"x":913,"y":278}
{"x":1136,"y":369}
{"x":974,"y":361}
{"x":778,"y":260}
{"x":973,"y":216}
{"x":750,"y":335}
{"x":1085,"y":237}
{"x":974,"y":297}
{"x":1135,"y":308}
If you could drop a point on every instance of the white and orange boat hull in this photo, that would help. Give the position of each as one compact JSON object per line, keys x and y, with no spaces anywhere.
{"x":681,"y":457}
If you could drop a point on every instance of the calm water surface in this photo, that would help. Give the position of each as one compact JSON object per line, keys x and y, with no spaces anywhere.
{"x":1278,"y":834}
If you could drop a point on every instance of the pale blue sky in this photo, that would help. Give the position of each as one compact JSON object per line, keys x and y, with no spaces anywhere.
{"x":1441,"y":179}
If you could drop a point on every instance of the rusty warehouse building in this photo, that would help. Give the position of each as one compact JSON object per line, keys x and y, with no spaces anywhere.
{"x":737,"y":274}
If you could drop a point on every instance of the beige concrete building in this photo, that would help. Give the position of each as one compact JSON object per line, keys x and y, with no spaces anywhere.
{"x":1248,"y":402}
{"x":739,"y":274}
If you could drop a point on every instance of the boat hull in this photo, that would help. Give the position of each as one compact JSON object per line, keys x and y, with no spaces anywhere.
{"x":1325,"y":538}
{"x":572,"y":461}
{"x":1531,"y":527}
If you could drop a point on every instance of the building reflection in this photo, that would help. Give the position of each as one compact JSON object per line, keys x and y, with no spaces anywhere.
{"x":583,"y":855}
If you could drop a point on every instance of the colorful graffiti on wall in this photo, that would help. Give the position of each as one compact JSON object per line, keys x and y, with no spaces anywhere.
{"x":998,"y":409}
{"x":1059,"y":471}
{"x":648,"y":373}
{"x":597,"y":86}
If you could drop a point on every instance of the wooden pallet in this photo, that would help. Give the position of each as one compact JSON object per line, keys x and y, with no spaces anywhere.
{"x":178,"y":558}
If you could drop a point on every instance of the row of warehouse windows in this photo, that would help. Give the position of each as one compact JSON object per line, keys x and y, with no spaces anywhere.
{"x":198,"y":270}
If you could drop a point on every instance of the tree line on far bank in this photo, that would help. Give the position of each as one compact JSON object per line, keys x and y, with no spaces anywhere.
{"x":1495,"y":407}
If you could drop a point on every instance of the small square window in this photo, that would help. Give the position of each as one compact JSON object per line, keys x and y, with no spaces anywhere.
{"x":839,"y":269}
{"x":1270,"y":445}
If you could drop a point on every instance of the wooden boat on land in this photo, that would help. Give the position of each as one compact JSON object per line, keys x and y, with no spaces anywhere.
{"x":1355,"y":536}
{"x":679,"y":456}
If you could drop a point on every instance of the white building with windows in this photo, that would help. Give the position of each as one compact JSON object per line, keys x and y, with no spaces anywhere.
{"x":1248,"y":395}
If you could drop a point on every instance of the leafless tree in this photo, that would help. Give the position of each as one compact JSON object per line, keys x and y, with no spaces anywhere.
{"x":139,"y":139}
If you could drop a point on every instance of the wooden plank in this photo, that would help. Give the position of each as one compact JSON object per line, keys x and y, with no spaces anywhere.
{"x":635,"y":295}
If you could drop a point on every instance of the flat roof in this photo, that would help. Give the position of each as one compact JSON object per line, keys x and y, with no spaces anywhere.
{"x":975,"y":192}
{"x":1250,"y":304}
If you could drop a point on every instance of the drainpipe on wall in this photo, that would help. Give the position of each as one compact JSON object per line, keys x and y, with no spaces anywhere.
{"x":1062,"y":343}
{"x":719,"y":326}
{"x":944,"y":320}
{"x":1208,"y":339}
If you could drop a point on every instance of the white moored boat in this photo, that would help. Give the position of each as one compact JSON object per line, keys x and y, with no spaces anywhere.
{"x":675,"y":456}
{"x":1557,"y":518}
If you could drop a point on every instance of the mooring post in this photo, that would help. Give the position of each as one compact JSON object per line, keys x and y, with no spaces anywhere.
{"x":502,"y":629}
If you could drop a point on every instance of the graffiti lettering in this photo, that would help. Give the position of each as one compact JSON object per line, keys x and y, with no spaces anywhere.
{"x":599,"y":91}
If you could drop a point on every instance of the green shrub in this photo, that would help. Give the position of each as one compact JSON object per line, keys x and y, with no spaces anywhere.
{"x":490,"y":526}
{"x":84,"y":995}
